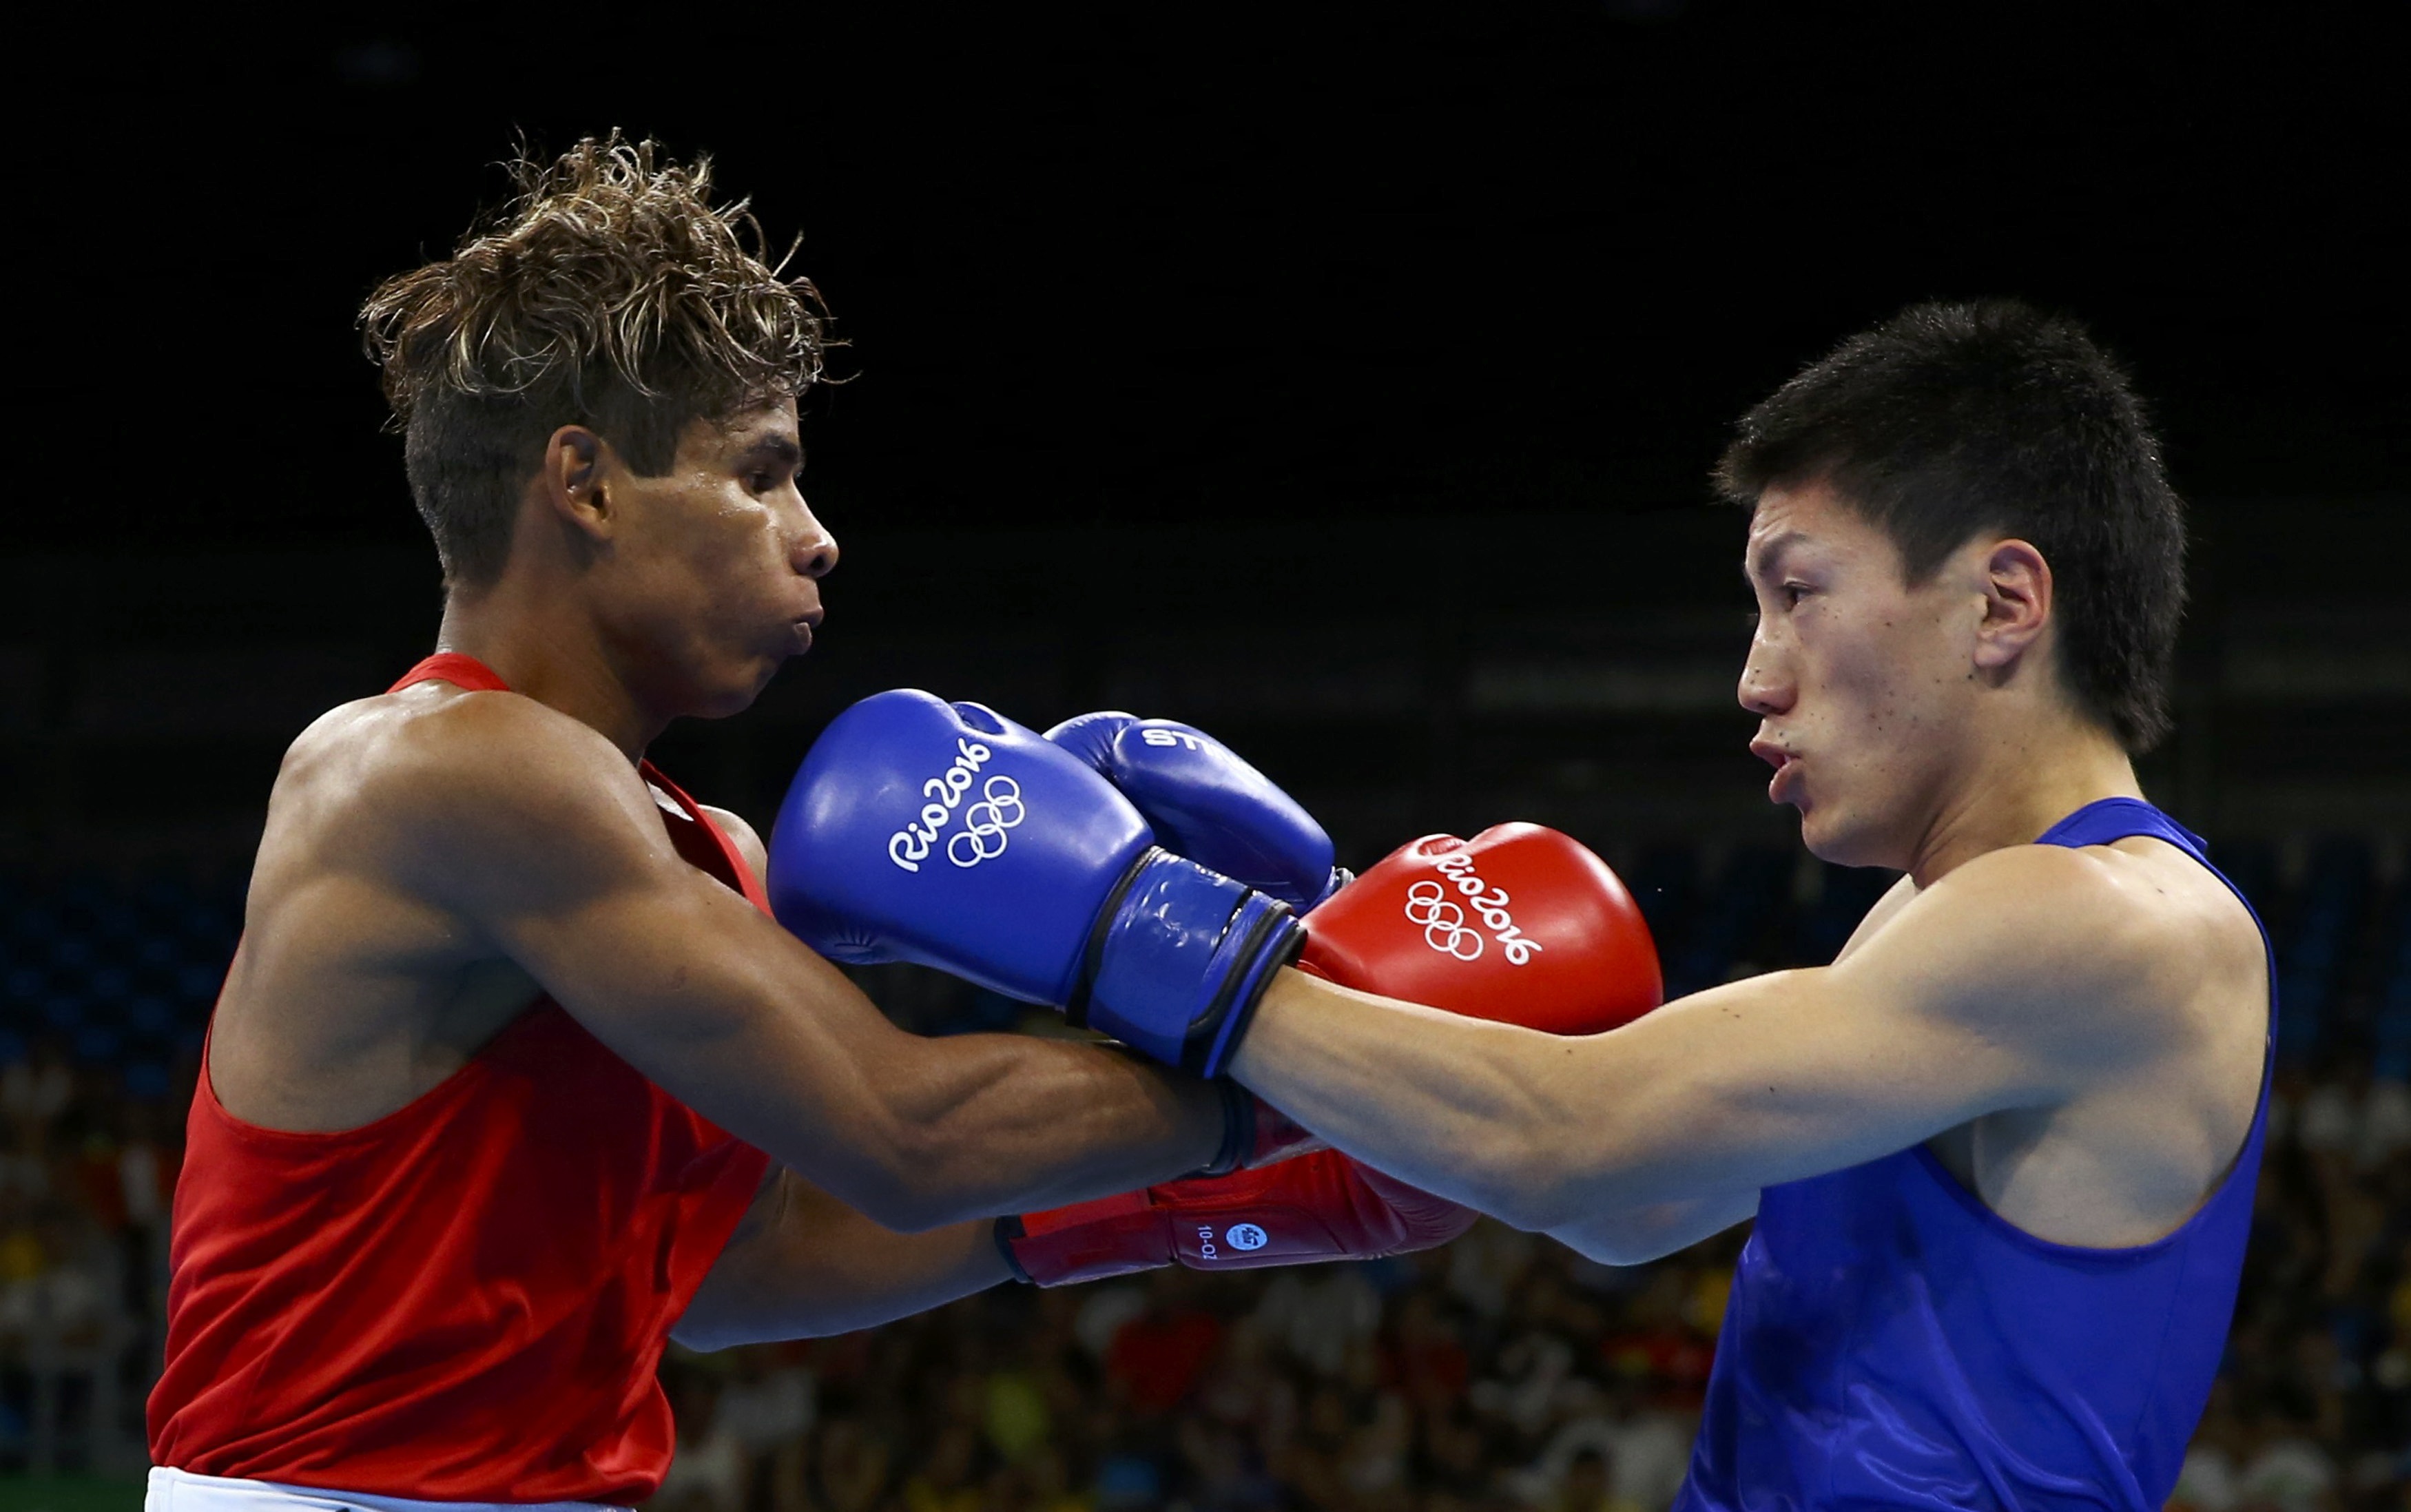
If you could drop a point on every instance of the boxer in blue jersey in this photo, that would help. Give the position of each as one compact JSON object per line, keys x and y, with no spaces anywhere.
{"x":2001,"y":1152}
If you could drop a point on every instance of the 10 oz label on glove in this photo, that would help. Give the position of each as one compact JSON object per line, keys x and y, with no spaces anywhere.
{"x":1239,"y":1236}
{"x":983,"y":837}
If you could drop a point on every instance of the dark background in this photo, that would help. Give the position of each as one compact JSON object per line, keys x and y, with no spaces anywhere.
{"x":1343,"y":381}
{"x":1348,"y":381}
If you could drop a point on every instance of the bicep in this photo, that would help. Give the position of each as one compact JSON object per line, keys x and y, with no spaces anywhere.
{"x":552,"y":854}
{"x":558,"y":858}
{"x":1777,"y":1078}
{"x":689,"y":983}
{"x":1966,"y":1003}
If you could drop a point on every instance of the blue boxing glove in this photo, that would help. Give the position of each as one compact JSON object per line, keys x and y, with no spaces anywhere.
{"x":1204,"y":803}
{"x":946,"y":834}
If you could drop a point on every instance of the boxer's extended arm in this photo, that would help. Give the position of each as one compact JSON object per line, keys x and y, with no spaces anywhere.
{"x":803,"y":1264}
{"x":2019,"y":979}
{"x":536,"y":833}
{"x":1639,"y":1235}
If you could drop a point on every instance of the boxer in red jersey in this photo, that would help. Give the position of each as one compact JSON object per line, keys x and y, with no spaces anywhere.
{"x":512,"y":1078}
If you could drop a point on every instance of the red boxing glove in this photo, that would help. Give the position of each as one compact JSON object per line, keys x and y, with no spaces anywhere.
{"x":1521,"y":925}
{"x":1322,"y":1206}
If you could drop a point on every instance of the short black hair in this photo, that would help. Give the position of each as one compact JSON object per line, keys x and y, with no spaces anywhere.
{"x":1948,"y":420}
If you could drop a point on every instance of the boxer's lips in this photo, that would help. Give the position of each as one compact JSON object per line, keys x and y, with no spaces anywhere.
{"x":1784,"y":762}
{"x":804,"y":626}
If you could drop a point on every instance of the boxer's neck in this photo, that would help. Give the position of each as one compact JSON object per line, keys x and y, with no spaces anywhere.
{"x":542,"y":638}
{"x":2026,"y":777}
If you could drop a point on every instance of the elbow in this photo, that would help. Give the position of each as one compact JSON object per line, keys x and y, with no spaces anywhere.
{"x":896,"y":1205}
{"x":905,"y":1187}
{"x":1523,"y":1178}
{"x":906,"y":1213}
{"x":1609,"y":1243}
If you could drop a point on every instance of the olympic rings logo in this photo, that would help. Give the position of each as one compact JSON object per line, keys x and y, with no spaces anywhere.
{"x":1444,"y":927}
{"x":983,"y":837}
{"x":1448,"y":927}
{"x":910,"y":846}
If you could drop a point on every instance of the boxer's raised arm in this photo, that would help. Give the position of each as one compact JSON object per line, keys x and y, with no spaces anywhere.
{"x":2015,"y":982}
{"x":536,"y":833}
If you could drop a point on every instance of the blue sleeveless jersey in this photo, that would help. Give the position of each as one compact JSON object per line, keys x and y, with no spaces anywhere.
{"x":1894,"y":1343}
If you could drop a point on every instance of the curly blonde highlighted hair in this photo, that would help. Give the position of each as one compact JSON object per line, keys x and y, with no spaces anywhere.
{"x":607,"y":292}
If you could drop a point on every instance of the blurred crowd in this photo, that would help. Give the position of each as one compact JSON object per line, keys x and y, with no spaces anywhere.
{"x":1493,"y":1373}
{"x":87,"y":1174}
{"x":2313,"y":1404}
{"x":1501,"y":1372}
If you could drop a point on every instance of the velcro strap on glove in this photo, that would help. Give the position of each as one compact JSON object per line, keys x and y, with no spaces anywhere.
{"x":1179,"y":958}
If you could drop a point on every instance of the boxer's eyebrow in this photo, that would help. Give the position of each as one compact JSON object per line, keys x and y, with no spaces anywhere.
{"x":781,"y":449}
{"x":1763,"y":561}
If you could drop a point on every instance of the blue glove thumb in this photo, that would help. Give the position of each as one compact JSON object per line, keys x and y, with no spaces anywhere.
{"x":1206,"y":804}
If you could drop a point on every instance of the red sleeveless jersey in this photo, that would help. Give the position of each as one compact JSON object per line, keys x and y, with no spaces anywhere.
{"x":467,"y":1299}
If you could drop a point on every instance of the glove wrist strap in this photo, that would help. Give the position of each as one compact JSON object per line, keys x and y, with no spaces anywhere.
{"x":1179,"y":958}
{"x":1265,"y":937}
{"x":1075,"y":1008}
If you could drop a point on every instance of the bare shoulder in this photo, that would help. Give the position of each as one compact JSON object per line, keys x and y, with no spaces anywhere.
{"x":2137,"y":905}
{"x":2109,"y":945}
{"x":434,"y":776}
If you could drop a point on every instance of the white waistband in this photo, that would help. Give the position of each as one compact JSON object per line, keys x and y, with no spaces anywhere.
{"x":181,"y":1490}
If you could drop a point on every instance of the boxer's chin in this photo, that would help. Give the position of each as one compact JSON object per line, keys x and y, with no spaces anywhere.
{"x":737,"y":691}
{"x":1828,"y":837}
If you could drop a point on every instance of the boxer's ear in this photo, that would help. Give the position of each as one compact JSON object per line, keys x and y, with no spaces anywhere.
{"x":572,"y":479}
{"x":2016,"y":584}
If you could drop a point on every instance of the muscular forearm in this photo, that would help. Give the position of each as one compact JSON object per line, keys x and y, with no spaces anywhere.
{"x":1470,"y":1110}
{"x":805,"y":1265}
{"x":982,"y":1125}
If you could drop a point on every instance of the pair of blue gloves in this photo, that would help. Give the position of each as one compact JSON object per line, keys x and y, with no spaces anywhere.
{"x":1133,"y":872}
